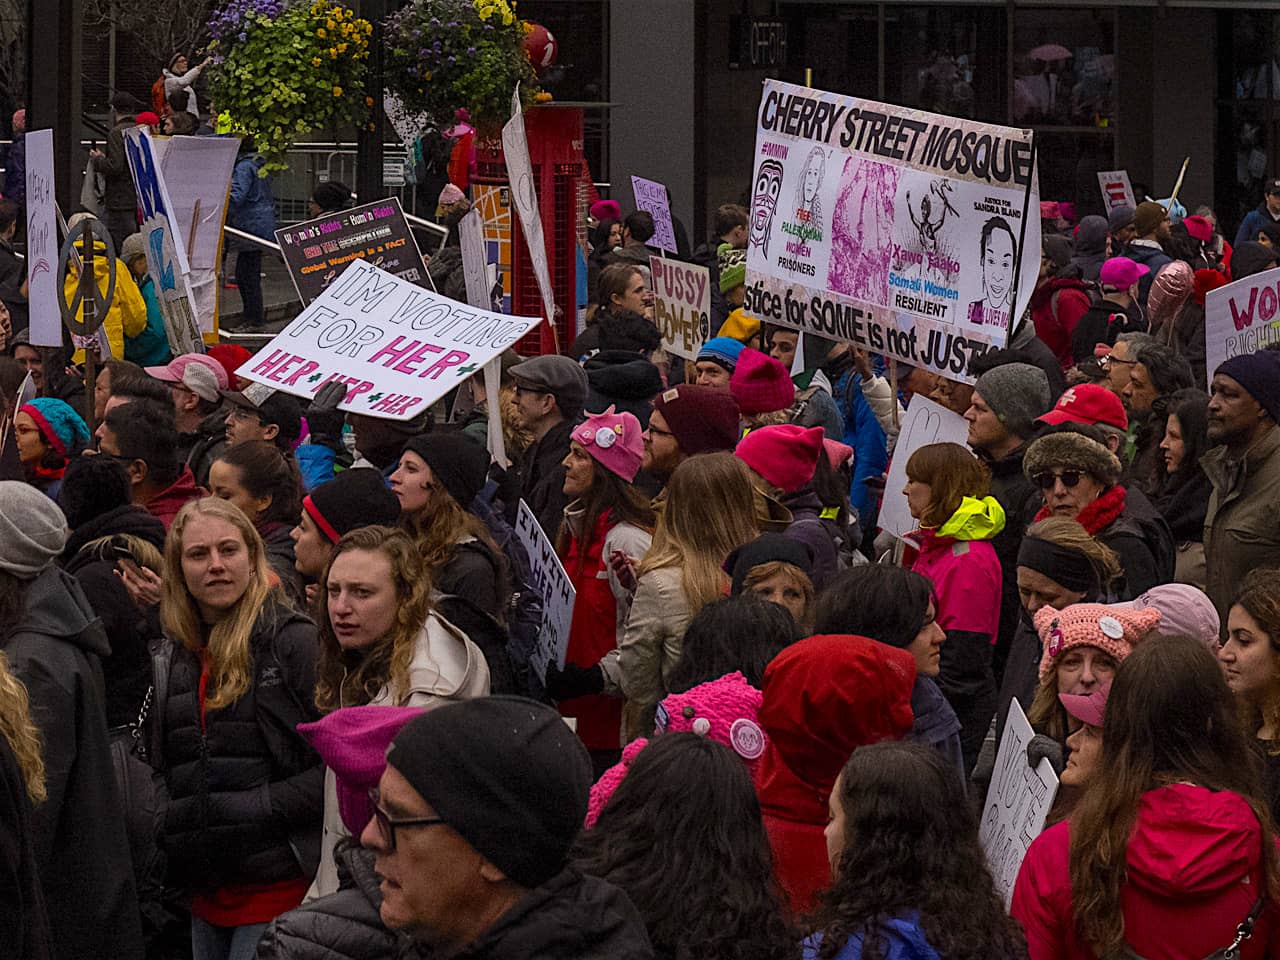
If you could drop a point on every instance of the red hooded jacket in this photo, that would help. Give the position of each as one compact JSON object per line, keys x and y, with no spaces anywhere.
{"x":823,"y":698}
{"x":1194,"y":872}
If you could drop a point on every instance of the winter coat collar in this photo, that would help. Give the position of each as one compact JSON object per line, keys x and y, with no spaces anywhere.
{"x":1100,"y":514}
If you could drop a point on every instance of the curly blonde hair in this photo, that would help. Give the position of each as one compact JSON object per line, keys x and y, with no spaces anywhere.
{"x":346,"y":678}
{"x":20,"y":732}
{"x":230,"y":674}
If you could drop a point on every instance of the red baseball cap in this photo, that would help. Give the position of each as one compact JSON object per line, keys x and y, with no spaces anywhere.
{"x":1088,"y":403}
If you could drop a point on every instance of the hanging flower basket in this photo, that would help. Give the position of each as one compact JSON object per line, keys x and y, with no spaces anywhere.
{"x":283,"y":69}
{"x":447,"y":55}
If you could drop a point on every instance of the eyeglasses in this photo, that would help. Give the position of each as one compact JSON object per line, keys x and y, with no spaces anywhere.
{"x":1112,"y":358}
{"x":243,"y":413}
{"x":387,"y":827}
{"x":1069,"y":478}
{"x":659,"y":432}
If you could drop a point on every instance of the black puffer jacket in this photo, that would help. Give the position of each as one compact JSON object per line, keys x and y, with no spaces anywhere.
{"x":1020,"y":500}
{"x":127,"y":670}
{"x":280,"y":555}
{"x":246,"y":791}
{"x":624,"y":380}
{"x":79,"y":831}
{"x":342,"y":926}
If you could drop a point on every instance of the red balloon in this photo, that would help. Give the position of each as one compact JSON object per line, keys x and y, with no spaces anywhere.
{"x":540,"y":45}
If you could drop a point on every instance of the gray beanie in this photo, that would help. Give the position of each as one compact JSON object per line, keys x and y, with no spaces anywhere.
{"x":33,"y":530}
{"x":1017,"y":394}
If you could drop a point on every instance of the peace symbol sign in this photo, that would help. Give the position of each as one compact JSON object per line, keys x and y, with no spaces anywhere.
{"x":97,"y":230}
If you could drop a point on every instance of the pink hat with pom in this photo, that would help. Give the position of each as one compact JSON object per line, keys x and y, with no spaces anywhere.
{"x":726,"y":710}
{"x":1112,"y":630}
{"x":353,"y":744}
{"x":614,"y":441}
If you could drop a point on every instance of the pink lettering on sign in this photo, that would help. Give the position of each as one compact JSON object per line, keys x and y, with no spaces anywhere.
{"x":1264,"y":300}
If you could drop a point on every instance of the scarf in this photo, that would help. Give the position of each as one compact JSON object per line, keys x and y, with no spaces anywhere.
{"x":1100,"y":514}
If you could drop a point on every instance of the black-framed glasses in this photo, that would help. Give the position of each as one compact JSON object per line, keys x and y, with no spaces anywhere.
{"x":1046,"y":480}
{"x":387,"y":826}
{"x":662,"y":433}
{"x":1111,"y":358}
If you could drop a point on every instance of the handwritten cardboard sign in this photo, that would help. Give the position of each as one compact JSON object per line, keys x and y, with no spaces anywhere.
{"x":42,"y":242}
{"x":926,"y":422}
{"x":1018,"y":801}
{"x":651,"y":196}
{"x":552,"y":584}
{"x":399,"y":348}
{"x":681,"y":305}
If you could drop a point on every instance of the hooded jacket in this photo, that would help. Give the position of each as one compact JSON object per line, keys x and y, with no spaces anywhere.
{"x":56,"y":650}
{"x":127,"y":315}
{"x":127,"y":669}
{"x":809,"y":528}
{"x":1056,"y":308}
{"x":961,"y":562}
{"x":824,"y":697}
{"x":901,"y":938}
{"x":164,"y":506}
{"x":198,"y":450}
{"x":1150,"y":254}
{"x":627,"y":381}
{"x":1193,"y":868}
{"x":863,"y":432}
{"x":150,"y":347}
{"x":1091,"y":248}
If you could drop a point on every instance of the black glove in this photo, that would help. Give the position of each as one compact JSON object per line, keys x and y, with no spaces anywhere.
{"x":1040,"y":748}
{"x":573,"y":681}
{"x":323,"y":416}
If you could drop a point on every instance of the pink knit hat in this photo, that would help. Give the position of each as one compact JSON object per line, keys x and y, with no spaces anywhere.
{"x":725,"y":710}
{"x":353,"y":744}
{"x":761,"y":384}
{"x":605,"y":210}
{"x":613,"y":440}
{"x":837,"y":452}
{"x":1112,"y":630}
{"x":786,"y":455}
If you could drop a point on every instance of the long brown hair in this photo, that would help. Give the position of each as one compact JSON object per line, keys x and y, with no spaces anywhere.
{"x":952,"y":473}
{"x":1259,"y":597}
{"x":437,"y":529}
{"x":1170,"y":719}
{"x":710,"y":512}
{"x":608,"y":495}
{"x":228,"y":642}
{"x":349,"y":678}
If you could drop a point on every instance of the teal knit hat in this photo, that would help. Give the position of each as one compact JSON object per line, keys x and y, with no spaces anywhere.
{"x":62,"y":428}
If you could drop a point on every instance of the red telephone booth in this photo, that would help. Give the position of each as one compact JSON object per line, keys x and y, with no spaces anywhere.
{"x":564,"y":189}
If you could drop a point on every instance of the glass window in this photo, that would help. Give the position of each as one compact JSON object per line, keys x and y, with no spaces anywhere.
{"x":948,"y":60}
{"x":1064,"y":67}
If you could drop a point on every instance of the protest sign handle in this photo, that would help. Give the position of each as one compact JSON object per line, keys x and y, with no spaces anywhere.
{"x":893,"y":391}
{"x":195,"y":223}
{"x":1022,"y":236}
{"x":1177,"y":186}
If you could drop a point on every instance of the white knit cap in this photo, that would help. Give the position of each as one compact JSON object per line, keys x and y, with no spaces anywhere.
{"x":33,"y":530}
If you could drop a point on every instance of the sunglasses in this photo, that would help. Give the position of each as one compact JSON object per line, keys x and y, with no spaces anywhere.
{"x":1069,"y":478}
{"x":387,"y":826}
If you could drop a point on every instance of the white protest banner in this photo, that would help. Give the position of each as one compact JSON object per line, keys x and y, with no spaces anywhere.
{"x":475,"y":274}
{"x":681,"y":305}
{"x":1018,"y":801}
{"x":651,"y":196}
{"x":926,"y":422}
{"x":903,"y":231}
{"x":515,"y":148}
{"x":197,"y":175}
{"x":42,"y":242}
{"x":552,"y":584}
{"x":166,"y":248}
{"x":1116,"y":189}
{"x":399,"y":348}
{"x":1242,"y":317}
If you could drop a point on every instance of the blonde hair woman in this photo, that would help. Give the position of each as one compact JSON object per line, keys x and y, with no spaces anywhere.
{"x":25,"y":931}
{"x":709,"y":513}
{"x":244,"y":786}
{"x":381,"y":644}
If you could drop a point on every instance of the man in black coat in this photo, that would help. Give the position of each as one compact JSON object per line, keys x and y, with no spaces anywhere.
{"x":550,"y":392}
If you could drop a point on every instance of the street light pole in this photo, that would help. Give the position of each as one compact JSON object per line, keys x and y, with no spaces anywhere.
{"x":369,"y":141}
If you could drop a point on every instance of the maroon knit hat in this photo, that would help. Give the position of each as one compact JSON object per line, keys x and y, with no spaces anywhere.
{"x":703,"y":419}
{"x":761,"y":384}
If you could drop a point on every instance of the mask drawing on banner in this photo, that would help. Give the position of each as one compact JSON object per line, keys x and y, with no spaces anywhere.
{"x":808,"y":190}
{"x":998,"y":247}
{"x":763,"y":203}
{"x":862,"y":230}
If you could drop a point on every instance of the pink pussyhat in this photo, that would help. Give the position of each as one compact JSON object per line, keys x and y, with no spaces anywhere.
{"x":613,"y":440}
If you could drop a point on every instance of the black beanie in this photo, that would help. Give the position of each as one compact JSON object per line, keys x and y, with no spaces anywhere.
{"x":92,"y":486}
{"x":354,"y":498}
{"x":461,"y":465}
{"x":331,"y":196}
{"x":767,"y":548}
{"x":507,"y":774}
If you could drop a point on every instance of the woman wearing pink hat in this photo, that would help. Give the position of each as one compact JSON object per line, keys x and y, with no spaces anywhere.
{"x":606,"y":516}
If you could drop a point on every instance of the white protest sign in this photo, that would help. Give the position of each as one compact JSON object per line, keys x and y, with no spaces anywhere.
{"x":902,"y":231}
{"x":651,"y":197}
{"x":399,"y":347}
{"x":1018,"y":801}
{"x":1242,"y":317}
{"x":42,"y":242}
{"x":926,"y":422}
{"x":166,"y":248}
{"x":515,"y":148}
{"x":475,"y":274}
{"x":552,"y":584}
{"x":1116,"y":189}
{"x":681,"y":305}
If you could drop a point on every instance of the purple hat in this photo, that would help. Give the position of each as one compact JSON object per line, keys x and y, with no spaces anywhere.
{"x":613,"y":440}
{"x":1122,"y":273}
{"x":353,"y":744}
{"x":1185,"y":611}
{"x":1090,"y":708}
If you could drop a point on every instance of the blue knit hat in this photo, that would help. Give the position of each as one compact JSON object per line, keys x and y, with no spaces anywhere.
{"x":721,"y":350}
{"x":62,"y":428}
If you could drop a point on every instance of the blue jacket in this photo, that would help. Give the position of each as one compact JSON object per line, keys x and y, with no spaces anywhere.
{"x":317,"y":463}
{"x":1251,"y":224}
{"x":902,"y":940}
{"x":150,"y":348}
{"x":863,"y":432}
{"x":251,"y":207}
